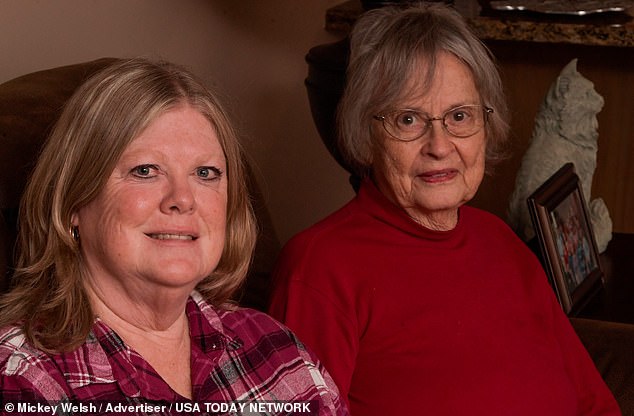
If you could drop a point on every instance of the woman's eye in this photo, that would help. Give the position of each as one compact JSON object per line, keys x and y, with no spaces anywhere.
{"x":143,"y":171}
{"x":208,"y":172}
{"x":460,"y":116}
{"x":408,"y":119}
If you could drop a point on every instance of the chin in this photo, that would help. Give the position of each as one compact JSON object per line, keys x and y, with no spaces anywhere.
{"x":178,"y":276}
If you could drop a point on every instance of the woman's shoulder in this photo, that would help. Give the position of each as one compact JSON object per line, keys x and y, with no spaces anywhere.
{"x":490,"y":231}
{"x":330,"y":238}
{"x":328,"y":228}
{"x":255,"y":330}
{"x":252,"y":325}
{"x":287,"y":358}
{"x":26,"y":371}
{"x":15,"y":348}
{"x":234,"y":321}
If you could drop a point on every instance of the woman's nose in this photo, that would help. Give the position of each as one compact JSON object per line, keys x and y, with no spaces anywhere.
{"x":179,"y":197}
{"x":439,"y":142}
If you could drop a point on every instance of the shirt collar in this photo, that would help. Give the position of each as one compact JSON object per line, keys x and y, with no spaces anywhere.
{"x":206,"y":327}
{"x":105,"y":358}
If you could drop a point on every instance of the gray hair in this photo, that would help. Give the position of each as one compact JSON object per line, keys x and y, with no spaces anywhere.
{"x":387,"y":46}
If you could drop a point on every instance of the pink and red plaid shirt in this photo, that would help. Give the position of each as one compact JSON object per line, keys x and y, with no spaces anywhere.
{"x":239,"y":356}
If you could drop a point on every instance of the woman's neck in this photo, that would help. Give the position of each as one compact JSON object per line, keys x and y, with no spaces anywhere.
{"x":436,"y":221}
{"x":161,"y":338}
{"x":136,"y":305}
{"x":148,"y":325}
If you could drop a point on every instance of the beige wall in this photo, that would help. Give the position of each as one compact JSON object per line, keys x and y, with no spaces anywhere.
{"x":252,"y":51}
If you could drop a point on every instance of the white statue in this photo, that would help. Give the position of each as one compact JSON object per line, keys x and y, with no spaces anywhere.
{"x":565,"y":131}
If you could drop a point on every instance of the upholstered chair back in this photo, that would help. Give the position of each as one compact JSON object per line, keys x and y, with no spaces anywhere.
{"x":29,"y":106}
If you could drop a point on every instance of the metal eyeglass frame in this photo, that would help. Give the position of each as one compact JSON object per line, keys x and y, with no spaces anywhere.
{"x":428,"y":121}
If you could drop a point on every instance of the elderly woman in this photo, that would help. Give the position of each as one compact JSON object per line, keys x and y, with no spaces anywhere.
{"x":415,"y":302}
{"x":135,"y":229}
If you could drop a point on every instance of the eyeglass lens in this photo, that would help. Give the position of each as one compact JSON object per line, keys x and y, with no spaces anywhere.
{"x":463,"y":121}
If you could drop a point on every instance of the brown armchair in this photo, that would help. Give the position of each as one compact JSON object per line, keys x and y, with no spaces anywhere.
{"x":29,"y":106}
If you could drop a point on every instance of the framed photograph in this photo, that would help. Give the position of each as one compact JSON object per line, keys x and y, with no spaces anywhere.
{"x":566,"y":239}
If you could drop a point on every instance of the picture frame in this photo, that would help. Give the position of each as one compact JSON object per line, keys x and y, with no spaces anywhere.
{"x":566,"y":239}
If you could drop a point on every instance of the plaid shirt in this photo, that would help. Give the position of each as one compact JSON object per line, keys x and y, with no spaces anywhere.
{"x":239,"y":356}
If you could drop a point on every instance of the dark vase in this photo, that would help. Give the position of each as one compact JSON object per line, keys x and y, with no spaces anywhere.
{"x":325,"y":83}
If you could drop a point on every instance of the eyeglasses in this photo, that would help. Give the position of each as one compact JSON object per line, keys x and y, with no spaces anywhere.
{"x":407,"y":125}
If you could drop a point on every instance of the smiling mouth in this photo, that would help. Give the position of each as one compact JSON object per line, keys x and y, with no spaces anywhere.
{"x":437,"y":175}
{"x":165,"y":236}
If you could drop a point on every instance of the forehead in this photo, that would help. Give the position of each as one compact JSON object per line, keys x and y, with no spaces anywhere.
{"x":182,"y":127}
{"x":444,"y":76}
{"x":183,"y":119}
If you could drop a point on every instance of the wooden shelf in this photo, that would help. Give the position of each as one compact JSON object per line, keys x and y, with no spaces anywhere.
{"x":605,"y":29}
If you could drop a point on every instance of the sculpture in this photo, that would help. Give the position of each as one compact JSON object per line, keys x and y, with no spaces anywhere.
{"x":565,"y":131}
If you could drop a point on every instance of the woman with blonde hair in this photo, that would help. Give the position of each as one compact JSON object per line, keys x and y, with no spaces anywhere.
{"x":135,"y":229}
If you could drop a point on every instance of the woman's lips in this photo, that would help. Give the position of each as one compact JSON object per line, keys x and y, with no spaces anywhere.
{"x":438,"y":176}
{"x":170,"y":236}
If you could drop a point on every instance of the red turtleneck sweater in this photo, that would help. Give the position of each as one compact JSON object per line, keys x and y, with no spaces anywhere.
{"x":413,"y":321}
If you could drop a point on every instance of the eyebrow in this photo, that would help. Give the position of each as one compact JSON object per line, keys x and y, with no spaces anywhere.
{"x":419,"y":110}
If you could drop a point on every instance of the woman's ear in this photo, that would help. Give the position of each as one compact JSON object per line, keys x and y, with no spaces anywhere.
{"x":74,"y":219}
{"x":74,"y":226}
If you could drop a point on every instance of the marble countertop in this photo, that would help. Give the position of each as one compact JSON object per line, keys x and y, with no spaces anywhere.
{"x":601,"y":29}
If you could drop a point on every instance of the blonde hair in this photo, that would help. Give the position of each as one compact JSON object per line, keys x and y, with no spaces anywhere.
{"x":388,"y":46}
{"x":98,"y":122}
